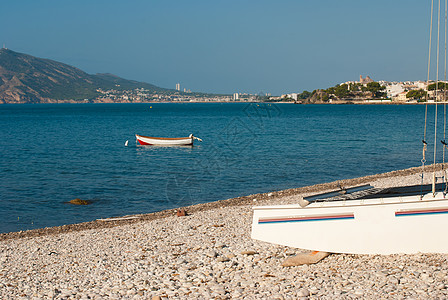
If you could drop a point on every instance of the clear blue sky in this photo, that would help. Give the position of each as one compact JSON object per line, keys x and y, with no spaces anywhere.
{"x":226,"y":46}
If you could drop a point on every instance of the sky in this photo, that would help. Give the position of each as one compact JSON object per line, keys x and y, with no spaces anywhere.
{"x":230,"y":46}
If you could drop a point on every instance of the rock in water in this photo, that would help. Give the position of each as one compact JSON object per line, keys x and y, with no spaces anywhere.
{"x":305,"y":258}
{"x":78,"y":201}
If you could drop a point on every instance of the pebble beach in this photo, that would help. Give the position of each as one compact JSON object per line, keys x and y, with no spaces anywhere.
{"x":207,"y":254}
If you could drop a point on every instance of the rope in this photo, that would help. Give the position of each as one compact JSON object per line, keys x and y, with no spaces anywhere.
{"x":429,"y":67}
{"x":423,"y":167}
{"x":444,"y":108}
{"x":426,"y":96}
{"x":436,"y":96}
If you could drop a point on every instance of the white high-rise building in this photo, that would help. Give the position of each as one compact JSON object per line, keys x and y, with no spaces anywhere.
{"x":177,"y":86}
{"x":236,"y":96}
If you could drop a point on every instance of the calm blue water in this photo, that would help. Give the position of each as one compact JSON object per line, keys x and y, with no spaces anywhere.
{"x":51,"y":154}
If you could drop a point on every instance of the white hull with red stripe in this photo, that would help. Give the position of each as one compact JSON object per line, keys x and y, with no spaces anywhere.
{"x":158,"y":141}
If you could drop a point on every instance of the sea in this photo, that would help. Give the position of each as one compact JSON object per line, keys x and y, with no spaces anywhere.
{"x":53,"y":153}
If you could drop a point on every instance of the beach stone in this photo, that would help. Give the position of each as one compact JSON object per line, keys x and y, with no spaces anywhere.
{"x":358,"y":292}
{"x":439,"y":275}
{"x":249,"y":252}
{"x":223,"y":259}
{"x":181,"y":212}
{"x":425,"y":277}
{"x":305,"y":258}
{"x":303,"y":293}
{"x":211,"y":254}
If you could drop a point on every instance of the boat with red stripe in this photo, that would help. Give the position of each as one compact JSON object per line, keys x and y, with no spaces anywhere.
{"x":165,"y":141}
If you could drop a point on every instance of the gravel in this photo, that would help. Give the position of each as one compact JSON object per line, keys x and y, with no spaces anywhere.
{"x":206,"y":254}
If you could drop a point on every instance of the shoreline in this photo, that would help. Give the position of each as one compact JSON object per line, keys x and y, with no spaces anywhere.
{"x":208,"y":254}
{"x":341,"y":102}
{"x":238,"y":201}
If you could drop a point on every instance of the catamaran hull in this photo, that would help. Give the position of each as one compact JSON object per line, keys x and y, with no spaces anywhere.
{"x":372,"y":226}
{"x":155,"y":141}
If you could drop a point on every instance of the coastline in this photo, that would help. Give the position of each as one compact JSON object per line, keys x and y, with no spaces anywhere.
{"x":366,"y":102}
{"x":207,"y":254}
{"x":238,"y":201}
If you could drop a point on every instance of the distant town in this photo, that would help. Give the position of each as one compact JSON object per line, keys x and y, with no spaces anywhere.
{"x":366,"y":90}
{"x":145,"y":95}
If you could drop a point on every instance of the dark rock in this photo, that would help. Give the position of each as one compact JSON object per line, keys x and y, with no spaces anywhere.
{"x":78,"y":201}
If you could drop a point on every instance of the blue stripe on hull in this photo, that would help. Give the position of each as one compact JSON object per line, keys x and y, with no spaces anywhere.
{"x":304,"y":220}
{"x":397,"y":214}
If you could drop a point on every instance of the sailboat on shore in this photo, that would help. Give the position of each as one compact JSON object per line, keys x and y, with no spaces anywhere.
{"x":365,"y":219}
{"x":361,"y":220}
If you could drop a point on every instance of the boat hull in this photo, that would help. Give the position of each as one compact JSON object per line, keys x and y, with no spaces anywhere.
{"x":156,"y":141}
{"x":372,"y":226}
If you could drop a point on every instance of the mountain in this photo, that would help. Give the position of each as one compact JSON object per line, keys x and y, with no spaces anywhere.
{"x":28,"y":79}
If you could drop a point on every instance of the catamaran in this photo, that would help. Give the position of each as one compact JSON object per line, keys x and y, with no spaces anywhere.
{"x":362,"y":220}
{"x":365,"y":219}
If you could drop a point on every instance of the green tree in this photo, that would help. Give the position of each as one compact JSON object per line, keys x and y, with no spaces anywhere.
{"x":304,"y":95}
{"x":376,"y":89}
{"x":331,"y":90}
{"x":341,"y":91}
{"x":416,"y":94}
{"x":440,"y":86}
{"x":355,"y":87}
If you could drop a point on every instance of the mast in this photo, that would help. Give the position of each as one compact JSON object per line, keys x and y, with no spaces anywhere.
{"x":425,"y":144}
{"x":444,"y":103}
{"x":436,"y":105}
{"x":436,"y":94}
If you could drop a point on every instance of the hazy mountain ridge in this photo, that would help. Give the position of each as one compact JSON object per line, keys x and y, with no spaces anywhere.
{"x":28,"y":79}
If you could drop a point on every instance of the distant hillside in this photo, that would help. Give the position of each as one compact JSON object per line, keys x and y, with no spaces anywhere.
{"x":109,"y":81}
{"x":28,"y":79}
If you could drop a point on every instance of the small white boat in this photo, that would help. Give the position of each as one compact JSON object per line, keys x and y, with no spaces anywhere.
{"x":161,"y":141}
{"x":363,"y":221}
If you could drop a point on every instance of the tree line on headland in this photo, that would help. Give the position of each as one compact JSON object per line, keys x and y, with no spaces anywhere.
{"x":370,"y":91}
{"x":344,"y":92}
